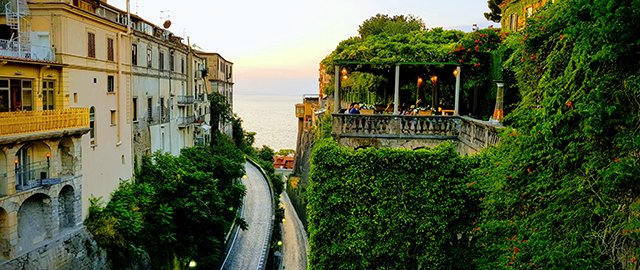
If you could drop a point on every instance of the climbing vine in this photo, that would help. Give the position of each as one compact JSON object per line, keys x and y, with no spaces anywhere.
{"x":389,"y":208}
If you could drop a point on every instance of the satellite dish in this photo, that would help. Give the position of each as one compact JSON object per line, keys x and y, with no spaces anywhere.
{"x":166,"y":24}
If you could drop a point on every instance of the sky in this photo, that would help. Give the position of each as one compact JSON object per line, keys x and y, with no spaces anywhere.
{"x":276,"y":46}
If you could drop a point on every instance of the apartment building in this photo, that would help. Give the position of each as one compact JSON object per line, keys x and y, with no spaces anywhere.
{"x":90,"y":39}
{"x":220,"y":80}
{"x":516,"y":12}
{"x":40,"y":140}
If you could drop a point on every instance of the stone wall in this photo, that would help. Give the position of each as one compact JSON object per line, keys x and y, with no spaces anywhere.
{"x":75,"y":250}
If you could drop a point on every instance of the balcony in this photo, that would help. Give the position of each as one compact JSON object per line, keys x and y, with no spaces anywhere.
{"x":414,"y":130}
{"x":185,"y":100}
{"x":34,"y":122}
{"x":11,"y":48}
{"x":34,"y":175}
{"x":186,"y":121}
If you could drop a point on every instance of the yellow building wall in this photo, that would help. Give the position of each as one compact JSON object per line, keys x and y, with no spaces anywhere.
{"x":37,"y":73}
{"x":523,"y":9}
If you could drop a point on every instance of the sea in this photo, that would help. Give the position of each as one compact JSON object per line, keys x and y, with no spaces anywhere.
{"x":272,"y":118}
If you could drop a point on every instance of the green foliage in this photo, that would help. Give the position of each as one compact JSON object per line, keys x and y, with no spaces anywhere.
{"x":496,"y":13}
{"x":177,"y":207}
{"x":220,"y":111}
{"x":382,"y":23}
{"x":387,"y":49}
{"x":285,"y":152}
{"x":562,"y":190}
{"x":389,"y":208}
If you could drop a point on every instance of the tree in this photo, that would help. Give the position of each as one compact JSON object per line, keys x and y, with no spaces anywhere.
{"x":220,"y":112}
{"x":496,"y":13}
{"x":382,"y":23}
{"x":177,"y":209}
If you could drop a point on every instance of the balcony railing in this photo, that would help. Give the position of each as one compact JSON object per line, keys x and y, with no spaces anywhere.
{"x":185,"y":100}
{"x":185,"y":121}
{"x":14,"y":123}
{"x":379,"y":125}
{"x":10,"y":48}
{"x":475,"y":133}
{"x":33,"y":175}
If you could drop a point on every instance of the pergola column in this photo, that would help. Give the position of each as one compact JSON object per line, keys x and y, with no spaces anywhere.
{"x":396,"y":92}
{"x":336,"y":91}
{"x":457,"y":105}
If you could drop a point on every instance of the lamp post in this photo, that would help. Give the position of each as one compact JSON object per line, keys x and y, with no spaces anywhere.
{"x":418,"y":91}
{"x":498,"y":112}
{"x":434,"y":91}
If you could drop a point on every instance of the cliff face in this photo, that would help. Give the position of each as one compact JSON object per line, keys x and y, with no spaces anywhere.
{"x":298,"y":183}
{"x":74,"y":250}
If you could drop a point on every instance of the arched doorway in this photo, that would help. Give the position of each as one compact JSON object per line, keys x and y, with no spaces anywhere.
{"x":32,"y":165}
{"x":5,"y":245}
{"x":65,"y":152}
{"x":66,"y":207}
{"x":34,"y":224}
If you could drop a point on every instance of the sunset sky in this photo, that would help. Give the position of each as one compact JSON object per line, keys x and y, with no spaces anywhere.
{"x":276,"y":45}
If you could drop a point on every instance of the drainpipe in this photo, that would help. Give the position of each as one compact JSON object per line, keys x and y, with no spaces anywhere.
{"x":118,"y":105}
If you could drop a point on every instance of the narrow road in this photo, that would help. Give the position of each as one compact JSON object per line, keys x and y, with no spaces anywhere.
{"x":294,"y":238}
{"x":248,"y":250}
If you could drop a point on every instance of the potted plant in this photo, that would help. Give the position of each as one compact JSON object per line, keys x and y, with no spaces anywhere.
{"x":367,"y":108}
{"x":425,"y":110}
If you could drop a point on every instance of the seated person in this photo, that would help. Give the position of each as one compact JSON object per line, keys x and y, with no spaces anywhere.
{"x":355,"y":108}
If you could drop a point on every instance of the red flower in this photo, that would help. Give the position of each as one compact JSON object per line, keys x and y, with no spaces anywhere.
{"x":570,"y":104}
{"x":515,"y":250}
{"x":461,"y":60}
{"x":476,"y":64}
{"x":477,"y":48}
{"x":616,"y":160}
{"x":634,"y":260}
{"x":477,"y":41}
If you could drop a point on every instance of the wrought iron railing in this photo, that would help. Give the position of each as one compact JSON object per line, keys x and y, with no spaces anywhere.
{"x":13,"y":123}
{"x":10,"y":48}
{"x":185,"y":100}
{"x":33,"y":175}
{"x":185,"y":121}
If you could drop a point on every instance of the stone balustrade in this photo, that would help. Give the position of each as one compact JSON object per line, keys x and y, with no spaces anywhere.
{"x":475,"y":134}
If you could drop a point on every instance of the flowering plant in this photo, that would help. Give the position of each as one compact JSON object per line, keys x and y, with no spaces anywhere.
{"x":365,"y":106}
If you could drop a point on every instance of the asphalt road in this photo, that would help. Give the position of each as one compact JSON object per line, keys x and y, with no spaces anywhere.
{"x":248,"y":248}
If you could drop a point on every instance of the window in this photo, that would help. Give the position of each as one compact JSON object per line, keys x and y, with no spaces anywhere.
{"x":149,"y":54}
{"x":161,"y":61}
{"x":171,"y":60}
{"x":113,"y":117}
{"x":47,"y":95}
{"x":110,"y":49}
{"x":134,"y":54}
{"x":110,"y":84}
{"x":134,"y":103}
{"x":92,"y":124}
{"x":4,"y":96}
{"x":182,"y":66}
{"x":91,"y":45}
{"x":162,"y":109}
{"x":150,"y":109}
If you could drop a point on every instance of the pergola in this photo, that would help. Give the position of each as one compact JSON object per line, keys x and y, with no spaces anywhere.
{"x":396,"y":97}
